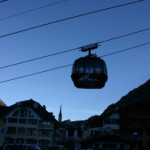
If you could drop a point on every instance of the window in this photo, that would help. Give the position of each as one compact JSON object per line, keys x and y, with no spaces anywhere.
{"x":111,"y":121}
{"x":32,"y":121}
{"x":11,"y":130}
{"x":89,"y":67}
{"x":4,"y":121}
{"x":98,"y":68}
{"x":16,"y":113}
{"x":21,"y":131}
{"x":70,"y":132}
{"x":23,"y":112}
{"x":79,"y":133}
{"x":32,"y":132}
{"x":31,"y":114}
{"x":45,"y":123}
{"x":135,"y":133}
{"x":20,"y":113}
{"x":45,"y":133}
{"x":12,"y":120}
{"x":2,"y":130}
{"x":44,"y":142}
{"x":31,"y":141}
{"x":22,"y":121}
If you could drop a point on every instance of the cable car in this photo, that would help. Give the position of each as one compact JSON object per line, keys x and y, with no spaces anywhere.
{"x":89,"y":72}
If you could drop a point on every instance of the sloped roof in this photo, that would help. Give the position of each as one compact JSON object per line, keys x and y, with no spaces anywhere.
{"x":4,"y":110}
{"x":137,"y":95}
{"x":94,"y":121}
{"x":35,"y":106}
{"x":2,"y":103}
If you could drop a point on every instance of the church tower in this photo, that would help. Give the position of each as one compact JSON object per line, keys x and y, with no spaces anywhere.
{"x":60,"y":115}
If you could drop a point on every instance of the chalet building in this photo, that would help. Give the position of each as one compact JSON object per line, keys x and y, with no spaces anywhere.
{"x":126,"y":124}
{"x":27,"y":122}
{"x":95,"y":132}
{"x":111,"y":123}
{"x":70,"y":133}
{"x":135,"y":124}
{"x":125,"y":127}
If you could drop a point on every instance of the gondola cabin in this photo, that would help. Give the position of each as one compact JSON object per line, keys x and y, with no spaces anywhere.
{"x":89,"y":72}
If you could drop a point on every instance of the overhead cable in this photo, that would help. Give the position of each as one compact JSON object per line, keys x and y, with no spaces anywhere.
{"x":34,"y":9}
{"x":64,"y":66}
{"x":65,"y":19}
{"x":37,"y":58}
{"x":122,"y":36}
{"x":127,"y":49}
{"x":65,"y":51}
{"x":36,"y":73}
{"x":3,"y":1}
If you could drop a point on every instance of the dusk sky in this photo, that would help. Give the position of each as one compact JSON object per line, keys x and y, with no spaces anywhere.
{"x":126,"y":70}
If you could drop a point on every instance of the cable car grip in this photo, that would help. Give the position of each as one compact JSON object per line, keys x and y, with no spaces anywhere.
{"x":89,"y":48}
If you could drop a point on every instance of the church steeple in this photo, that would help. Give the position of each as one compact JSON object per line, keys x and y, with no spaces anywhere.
{"x":60,"y":115}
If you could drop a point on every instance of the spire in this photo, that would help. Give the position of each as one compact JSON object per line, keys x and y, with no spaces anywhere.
{"x":60,"y":115}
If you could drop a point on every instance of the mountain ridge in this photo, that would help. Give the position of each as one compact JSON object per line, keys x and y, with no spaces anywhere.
{"x":140,"y":94}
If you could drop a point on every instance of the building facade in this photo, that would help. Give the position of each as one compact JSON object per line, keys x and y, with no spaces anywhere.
{"x":126,"y":128}
{"x":27,"y":122}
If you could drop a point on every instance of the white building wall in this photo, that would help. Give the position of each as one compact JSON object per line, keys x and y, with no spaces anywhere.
{"x":75,"y":133}
{"x":112,"y":126}
{"x":114,"y":116}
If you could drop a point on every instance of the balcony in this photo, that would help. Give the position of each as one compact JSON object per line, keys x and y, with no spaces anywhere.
{"x":12,"y":124}
{"x":112,"y":126}
{"x":31,"y":125}
{"x":43,"y":126}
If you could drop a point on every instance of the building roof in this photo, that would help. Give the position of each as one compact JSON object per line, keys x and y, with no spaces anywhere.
{"x":35,"y":106}
{"x":2,"y":103}
{"x":138,"y":95}
{"x":4,"y":110}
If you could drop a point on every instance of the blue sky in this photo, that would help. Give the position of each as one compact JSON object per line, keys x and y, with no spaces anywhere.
{"x":126,"y":70}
